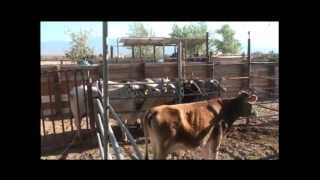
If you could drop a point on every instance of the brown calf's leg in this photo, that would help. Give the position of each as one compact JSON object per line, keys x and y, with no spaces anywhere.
{"x":154,"y":150}
{"x":216,"y":141}
{"x":164,"y":147}
{"x":162,"y":153}
{"x":247,"y":121}
{"x":155,"y":144}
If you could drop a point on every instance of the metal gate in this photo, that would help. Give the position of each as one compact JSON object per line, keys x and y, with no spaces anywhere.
{"x":57,"y":122}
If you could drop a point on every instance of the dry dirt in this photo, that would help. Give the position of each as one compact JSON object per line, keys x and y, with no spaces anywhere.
{"x":258,"y":140}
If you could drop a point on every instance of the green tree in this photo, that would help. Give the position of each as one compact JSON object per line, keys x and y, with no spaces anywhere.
{"x":139,"y":30}
{"x":79,"y":46}
{"x":191,"y":31}
{"x":228,"y":44}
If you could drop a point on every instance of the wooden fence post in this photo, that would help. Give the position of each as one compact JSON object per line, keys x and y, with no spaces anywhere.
{"x":154,"y":53}
{"x":57,"y":94}
{"x":90,"y":105}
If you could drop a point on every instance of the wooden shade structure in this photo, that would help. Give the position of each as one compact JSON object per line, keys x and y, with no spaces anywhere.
{"x":157,"y":41}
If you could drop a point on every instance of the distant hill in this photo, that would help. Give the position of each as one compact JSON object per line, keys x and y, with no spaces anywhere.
{"x":59,"y":47}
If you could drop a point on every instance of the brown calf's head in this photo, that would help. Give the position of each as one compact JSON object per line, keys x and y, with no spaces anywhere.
{"x":246,"y":100}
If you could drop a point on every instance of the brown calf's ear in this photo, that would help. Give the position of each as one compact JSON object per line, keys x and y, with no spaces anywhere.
{"x":252,"y":99}
{"x":242,"y":91}
{"x":251,"y":91}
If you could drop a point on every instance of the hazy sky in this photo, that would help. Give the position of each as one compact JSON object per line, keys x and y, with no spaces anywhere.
{"x":264,"y":35}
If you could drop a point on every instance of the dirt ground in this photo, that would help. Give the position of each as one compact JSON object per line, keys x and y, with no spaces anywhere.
{"x":258,"y":140}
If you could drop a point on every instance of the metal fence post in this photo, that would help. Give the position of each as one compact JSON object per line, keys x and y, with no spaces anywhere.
{"x":105,"y":85}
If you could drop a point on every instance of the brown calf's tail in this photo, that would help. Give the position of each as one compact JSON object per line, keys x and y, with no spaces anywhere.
{"x":146,"y":125}
{"x":146,"y":135}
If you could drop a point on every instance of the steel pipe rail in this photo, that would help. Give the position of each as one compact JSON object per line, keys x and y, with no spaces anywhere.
{"x":123,"y":127}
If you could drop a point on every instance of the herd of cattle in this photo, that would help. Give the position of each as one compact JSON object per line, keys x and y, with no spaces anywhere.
{"x":201,"y":120}
{"x":141,"y":90}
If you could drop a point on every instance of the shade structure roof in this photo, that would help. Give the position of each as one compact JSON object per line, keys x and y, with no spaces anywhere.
{"x":157,"y":41}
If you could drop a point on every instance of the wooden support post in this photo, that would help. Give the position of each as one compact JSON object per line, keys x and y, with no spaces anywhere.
{"x":180,"y":78}
{"x":111,"y":55}
{"x":272,"y":73}
{"x":154,"y":53}
{"x":117,"y":48}
{"x":213,"y":75}
{"x":183,"y":61}
{"x":140,"y":52}
{"x":249,"y":60}
{"x":207,"y":44}
{"x":163,"y":52}
{"x":275,"y":80}
{"x":132,"y":52}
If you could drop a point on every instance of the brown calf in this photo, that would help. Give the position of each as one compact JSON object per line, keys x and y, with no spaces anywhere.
{"x":173,"y":127}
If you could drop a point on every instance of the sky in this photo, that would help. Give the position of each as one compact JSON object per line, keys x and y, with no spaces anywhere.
{"x":54,"y":39}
